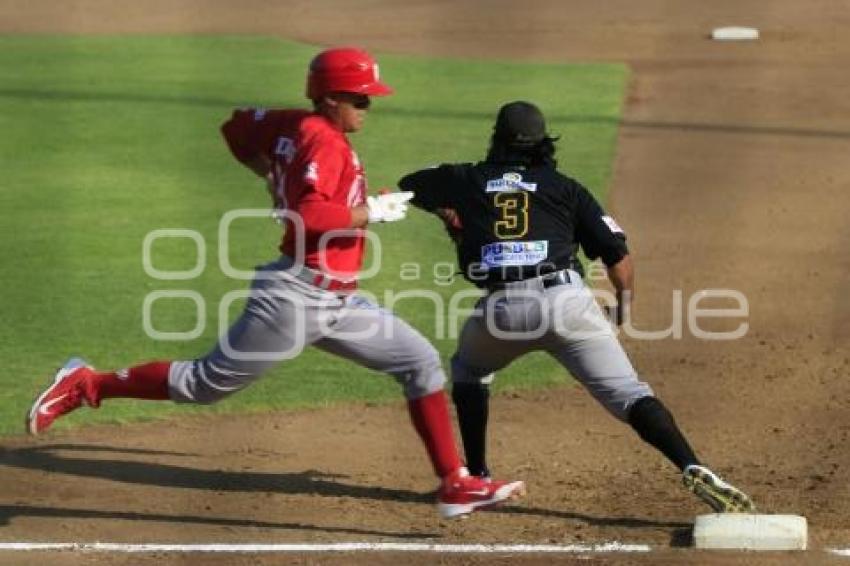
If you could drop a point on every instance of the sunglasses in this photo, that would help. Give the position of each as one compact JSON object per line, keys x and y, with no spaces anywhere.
{"x":361,"y":103}
{"x":358,"y":101}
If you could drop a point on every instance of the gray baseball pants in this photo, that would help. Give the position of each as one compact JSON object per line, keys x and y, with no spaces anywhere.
{"x":565,"y":321}
{"x":282,"y":316}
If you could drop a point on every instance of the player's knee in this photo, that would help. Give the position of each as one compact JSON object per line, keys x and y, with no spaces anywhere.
{"x":424,"y":376}
{"x":463,"y":372}
{"x":621,"y":400}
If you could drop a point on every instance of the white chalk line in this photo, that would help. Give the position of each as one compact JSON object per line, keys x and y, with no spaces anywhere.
{"x":608,"y":547}
{"x":601,"y":548}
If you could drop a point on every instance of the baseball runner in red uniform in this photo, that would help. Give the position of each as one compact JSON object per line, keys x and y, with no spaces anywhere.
{"x":308,"y":295}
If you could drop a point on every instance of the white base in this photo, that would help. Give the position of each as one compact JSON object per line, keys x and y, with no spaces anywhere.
{"x":734,"y":33}
{"x":744,"y":531}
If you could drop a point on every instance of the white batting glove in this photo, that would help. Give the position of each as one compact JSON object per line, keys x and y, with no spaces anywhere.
{"x":388,"y":207}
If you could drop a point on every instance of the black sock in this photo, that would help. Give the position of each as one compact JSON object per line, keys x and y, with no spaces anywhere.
{"x":472,"y":402}
{"x":654,"y":423}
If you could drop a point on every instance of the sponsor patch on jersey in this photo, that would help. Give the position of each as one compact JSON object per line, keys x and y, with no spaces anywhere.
{"x":259,"y":114}
{"x":612,"y":225}
{"x":510,"y":181}
{"x":500,"y":254}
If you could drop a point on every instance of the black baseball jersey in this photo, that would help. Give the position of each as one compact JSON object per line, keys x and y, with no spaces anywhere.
{"x":518,"y":221}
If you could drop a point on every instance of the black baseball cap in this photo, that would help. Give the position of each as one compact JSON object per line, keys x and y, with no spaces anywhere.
{"x":520,"y":123}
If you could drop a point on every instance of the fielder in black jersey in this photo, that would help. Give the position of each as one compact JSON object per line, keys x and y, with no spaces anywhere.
{"x":519,"y":221}
{"x":518,"y":225}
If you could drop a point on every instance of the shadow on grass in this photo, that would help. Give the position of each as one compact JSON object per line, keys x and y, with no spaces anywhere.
{"x":309,"y":482}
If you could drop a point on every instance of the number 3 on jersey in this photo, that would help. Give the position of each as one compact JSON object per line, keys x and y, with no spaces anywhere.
{"x":513,"y":214}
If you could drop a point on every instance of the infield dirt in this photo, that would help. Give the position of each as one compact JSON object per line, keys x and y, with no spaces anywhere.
{"x":729,"y":174}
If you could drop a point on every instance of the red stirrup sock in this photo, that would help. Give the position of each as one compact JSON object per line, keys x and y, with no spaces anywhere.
{"x":148,"y":381}
{"x":430,"y":416}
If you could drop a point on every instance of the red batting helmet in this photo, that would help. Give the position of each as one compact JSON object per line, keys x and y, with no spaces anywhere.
{"x":344,"y":69}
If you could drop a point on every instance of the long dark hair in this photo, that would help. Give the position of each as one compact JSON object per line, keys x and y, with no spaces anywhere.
{"x":540,"y":153}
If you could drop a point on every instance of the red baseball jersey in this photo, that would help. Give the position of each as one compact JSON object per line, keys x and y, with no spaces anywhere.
{"x":317,"y":176}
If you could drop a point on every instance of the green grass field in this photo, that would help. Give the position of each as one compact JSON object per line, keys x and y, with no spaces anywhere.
{"x":106,"y":139}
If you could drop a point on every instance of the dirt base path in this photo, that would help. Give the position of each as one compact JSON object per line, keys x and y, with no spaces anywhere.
{"x":729,"y":175}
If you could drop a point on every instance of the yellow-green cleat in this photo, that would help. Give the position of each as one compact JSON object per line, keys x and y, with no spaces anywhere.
{"x":719,"y":495}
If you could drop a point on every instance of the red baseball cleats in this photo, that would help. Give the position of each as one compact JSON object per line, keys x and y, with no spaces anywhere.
{"x":71,"y":387}
{"x":461,"y":493}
